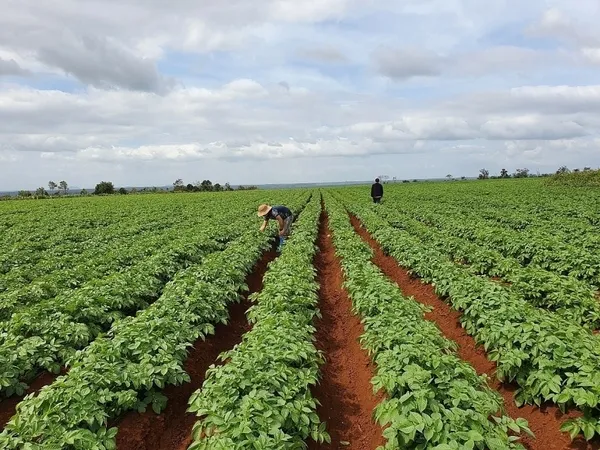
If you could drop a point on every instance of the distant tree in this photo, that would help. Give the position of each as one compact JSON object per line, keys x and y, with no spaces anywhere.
{"x":414,"y":181}
{"x":52,"y":185}
{"x":562,"y":170}
{"x":104,"y":187}
{"x":25,"y":194}
{"x":449,"y":176}
{"x":228,"y":187}
{"x":122,"y":191}
{"x":576,"y":170}
{"x":587,"y":169}
{"x":189,"y":187}
{"x":133,"y":191}
{"x":504,"y":174}
{"x":63,"y":186}
{"x":217,"y":187}
{"x":406,"y":181}
{"x":84,"y":193}
{"x":178,"y":185}
{"x":521,"y":173}
{"x":206,"y":186}
{"x":463,"y":178}
{"x":41,"y":192}
{"x":484,"y":174}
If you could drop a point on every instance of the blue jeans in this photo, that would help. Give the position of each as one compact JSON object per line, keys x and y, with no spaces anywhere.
{"x":287,"y":225}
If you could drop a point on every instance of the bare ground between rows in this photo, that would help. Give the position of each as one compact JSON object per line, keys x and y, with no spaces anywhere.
{"x":545,"y":422}
{"x":345,"y":391}
{"x":171,"y":430}
{"x":8,"y":406}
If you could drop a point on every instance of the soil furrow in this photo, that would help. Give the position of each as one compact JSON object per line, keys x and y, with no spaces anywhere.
{"x":345,"y":391}
{"x":545,"y":422}
{"x":171,"y":430}
{"x":8,"y":406}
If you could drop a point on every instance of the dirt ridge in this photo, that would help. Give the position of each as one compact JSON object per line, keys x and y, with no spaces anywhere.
{"x":345,"y":390}
{"x":545,"y":422}
{"x":8,"y":406}
{"x":171,"y":430}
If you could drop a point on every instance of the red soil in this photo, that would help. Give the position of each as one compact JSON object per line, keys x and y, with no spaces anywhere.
{"x":171,"y":430}
{"x":345,"y":390}
{"x":545,"y":422}
{"x":8,"y":406}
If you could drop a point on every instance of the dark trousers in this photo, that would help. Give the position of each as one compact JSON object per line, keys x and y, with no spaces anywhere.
{"x":376,"y":199}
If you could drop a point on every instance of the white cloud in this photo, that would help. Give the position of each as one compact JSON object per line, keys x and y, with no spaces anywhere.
{"x":309,"y":89}
{"x":323,"y":54}
{"x":10,"y":67}
{"x":102,"y":63}
{"x":406,"y":63}
{"x":574,"y":27}
{"x":307,"y":10}
{"x":591,"y":54}
{"x":531,"y":127}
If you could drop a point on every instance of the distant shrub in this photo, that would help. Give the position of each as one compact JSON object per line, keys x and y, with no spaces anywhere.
{"x":575,"y":178}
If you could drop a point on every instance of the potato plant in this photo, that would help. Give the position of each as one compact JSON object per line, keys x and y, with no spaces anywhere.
{"x":261,"y":397}
{"x":433,"y":399}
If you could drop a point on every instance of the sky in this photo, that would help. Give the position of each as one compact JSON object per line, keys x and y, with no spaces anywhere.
{"x":143,"y":92}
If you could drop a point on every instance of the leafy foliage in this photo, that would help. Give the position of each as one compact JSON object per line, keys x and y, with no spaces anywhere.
{"x":550,"y":358}
{"x":127,"y":368}
{"x":433,"y":399}
{"x":581,"y":178}
{"x":261,"y":397}
{"x":104,"y":188}
{"x":571,"y":298}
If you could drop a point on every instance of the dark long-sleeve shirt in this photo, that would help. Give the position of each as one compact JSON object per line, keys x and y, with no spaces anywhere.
{"x":279,"y":211}
{"x":376,"y":190}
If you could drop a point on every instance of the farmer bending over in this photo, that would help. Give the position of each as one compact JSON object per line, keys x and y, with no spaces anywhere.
{"x":282,"y":215}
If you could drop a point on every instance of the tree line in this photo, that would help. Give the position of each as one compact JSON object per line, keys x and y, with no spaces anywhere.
{"x":484,"y":174}
{"x":108,"y":188}
{"x":207,"y":186}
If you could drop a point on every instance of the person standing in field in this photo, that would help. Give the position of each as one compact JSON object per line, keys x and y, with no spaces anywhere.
{"x":376,"y":191}
{"x":282,"y":215}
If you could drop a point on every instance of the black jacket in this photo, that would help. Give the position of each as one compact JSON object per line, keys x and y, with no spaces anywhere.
{"x":376,"y":190}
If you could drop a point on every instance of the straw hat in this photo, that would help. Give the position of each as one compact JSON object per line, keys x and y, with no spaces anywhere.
{"x":263,"y":210}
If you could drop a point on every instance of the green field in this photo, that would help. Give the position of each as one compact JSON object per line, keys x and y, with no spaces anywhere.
{"x":110,"y":294}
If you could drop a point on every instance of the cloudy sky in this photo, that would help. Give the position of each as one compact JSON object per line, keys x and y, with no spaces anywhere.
{"x":141,"y":92}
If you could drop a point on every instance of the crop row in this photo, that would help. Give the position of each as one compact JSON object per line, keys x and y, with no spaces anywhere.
{"x":519,"y":204}
{"x":563,"y":213}
{"x":542,"y":247}
{"x":573,"y":299}
{"x":53,"y":238}
{"x":46,"y":336}
{"x":549,"y":358}
{"x":140,"y":355}
{"x":47,"y":235}
{"x":21,"y":268}
{"x":261,"y":397}
{"x":88,"y":267}
{"x":432,"y":398}
{"x":535,"y":221}
{"x":80,"y":242}
{"x":528,"y":247}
